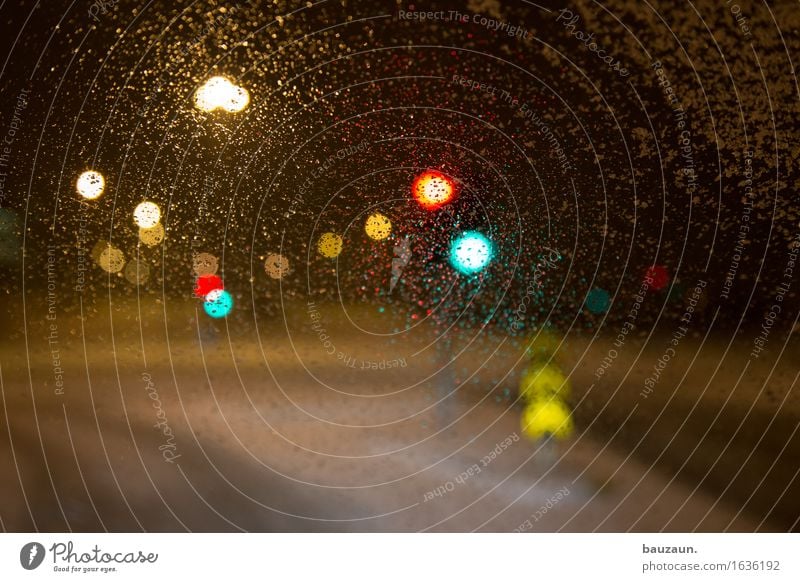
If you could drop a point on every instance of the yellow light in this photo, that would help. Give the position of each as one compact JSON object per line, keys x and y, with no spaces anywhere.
{"x":276,"y":266}
{"x":220,"y":93}
{"x":378,"y":226}
{"x":547,"y":417}
{"x":111,"y":260}
{"x":543,"y":381}
{"x":205,"y":264}
{"x":147,"y":214}
{"x":330,"y":245}
{"x":152,"y":236}
{"x":90,"y":184}
{"x":137,"y":272}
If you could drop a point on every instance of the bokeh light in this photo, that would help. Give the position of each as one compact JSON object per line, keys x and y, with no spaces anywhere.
{"x":205,"y":284}
{"x":276,"y":266}
{"x":137,"y":272}
{"x":90,"y":184}
{"x":98,"y":249}
{"x":111,"y":259}
{"x":543,"y":380}
{"x":657,"y":276}
{"x":330,"y":245}
{"x":470,"y":252}
{"x":204,"y":264}
{"x":432,"y":189}
{"x":152,"y":236}
{"x":546,"y":417}
{"x":218,"y":303}
{"x":597,"y":300}
{"x":378,"y":226}
{"x":146,"y":214}
{"x":220,"y":93}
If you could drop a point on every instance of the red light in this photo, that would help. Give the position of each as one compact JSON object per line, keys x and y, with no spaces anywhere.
{"x":657,"y":277}
{"x":205,"y":284}
{"x":432,"y":189}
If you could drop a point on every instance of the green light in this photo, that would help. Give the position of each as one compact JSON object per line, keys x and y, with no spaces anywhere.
{"x":218,"y":303}
{"x":470,"y":252}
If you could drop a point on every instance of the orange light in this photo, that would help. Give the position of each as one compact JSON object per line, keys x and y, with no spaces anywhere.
{"x":432,"y":189}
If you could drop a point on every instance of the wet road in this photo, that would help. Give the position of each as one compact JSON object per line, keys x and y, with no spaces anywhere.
{"x":186,"y":426}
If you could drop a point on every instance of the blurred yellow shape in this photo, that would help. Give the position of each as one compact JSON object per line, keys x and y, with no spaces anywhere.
{"x":152,"y":236}
{"x":542,"y":380}
{"x":111,"y":259}
{"x":547,"y":417}
{"x":378,"y":226}
{"x":330,"y":245}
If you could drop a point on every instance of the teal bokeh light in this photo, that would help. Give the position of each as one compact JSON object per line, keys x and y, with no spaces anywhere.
{"x":470,"y":252}
{"x":218,"y":303}
{"x":597,"y":300}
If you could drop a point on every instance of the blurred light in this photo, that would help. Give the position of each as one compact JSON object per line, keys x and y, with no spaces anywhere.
{"x":543,"y":381}
{"x":218,"y":303}
{"x":657,"y":277}
{"x":432,"y":189}
{"x":90,"y":184}
{"x":547,"y":417}
{"x":137,"y":272}
{"x":378,"y":226}
{"x":205,"y":284}
{"x":152,"y":236}
{"x":597,"y":300}
{"x":147,"y":214}
{"x":204,"y":264}
{"x":544,"y":345}
{"x":276,"y":266}
{"x":470,"y":252}
{"x":220,"y":93}
{"x":330,"y":245}
{"x":98,"y":249}
{"x":111,"y":260}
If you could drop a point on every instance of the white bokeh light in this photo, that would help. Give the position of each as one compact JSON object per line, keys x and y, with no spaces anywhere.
{"x":146,"y":214}
{"x":220,"y":93}
{"x":90,"y":184}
